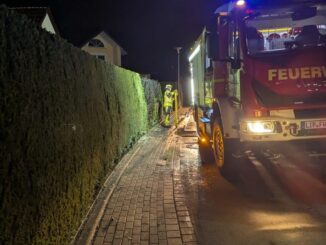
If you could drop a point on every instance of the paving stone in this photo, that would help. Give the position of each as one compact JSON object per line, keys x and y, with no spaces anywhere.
{"x":172,"y":234}
{"x":144,"y":235}
{"x":153,"y":239}
{"x":136,"y":230}
{"x":171,"y":221}
{"x":161,"y":221}
{"x":138,"y":216}
{"x":168,"y":201}
{"x":123,"y":214}
{"x":109,"y":237}
{"x":125,"y":208}
{"x":137,"y":222}
{"x":129,"y":224}
{"x":189,"y":238}
{"x":135,"y":238}
{"x":118,"y":235}
{"x":174,"y":241}
{"x":127,"y":233}
{"x":169,"y":210}
{"x":153,"y":222}
{"x":145,"y":227}
{"x":119,"y":204}
{"x":126,"y":241}
{"x":117,"y":242}
{"x":181,"y":207}
{"x":121,"y":226}
{"x":145,"y":214}
{"x":162,"y":235}
{"x":172,"y":227}
{"x":171,"y":215}
{"x":187,"y":231}
{"x":184,"y":218}
{"x":153,"y":230}
{"x":185,"y":224}
{"x":169,"y":206}
{"x":111,"y":229}
{"x":101,"y":231}
{"x":98,"y":240}
{"x":162,"y":242}
{"x":109,"y":211}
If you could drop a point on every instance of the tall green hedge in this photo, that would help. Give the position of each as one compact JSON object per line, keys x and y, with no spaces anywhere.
{"x":153,"y":95}
{"x":65,"y":120}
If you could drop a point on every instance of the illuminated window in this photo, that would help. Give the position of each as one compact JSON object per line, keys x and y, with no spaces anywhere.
{"x":101,"y":57}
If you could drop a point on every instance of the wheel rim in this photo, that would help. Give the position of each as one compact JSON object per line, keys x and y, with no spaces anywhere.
{"x":218,"y":146}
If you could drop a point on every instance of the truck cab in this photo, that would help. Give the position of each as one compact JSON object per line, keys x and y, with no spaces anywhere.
{"x":260,"y":74}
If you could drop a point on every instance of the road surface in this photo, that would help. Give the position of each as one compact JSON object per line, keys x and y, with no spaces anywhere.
{"x":266,"y":197}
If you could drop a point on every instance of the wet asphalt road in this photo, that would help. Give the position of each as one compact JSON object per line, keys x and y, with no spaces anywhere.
{"x":267,"y":197}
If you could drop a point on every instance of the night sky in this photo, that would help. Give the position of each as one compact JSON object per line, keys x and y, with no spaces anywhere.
{"x":147,"y":29}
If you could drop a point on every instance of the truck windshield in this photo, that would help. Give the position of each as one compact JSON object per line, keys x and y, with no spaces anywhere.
{"x":275,"y":30}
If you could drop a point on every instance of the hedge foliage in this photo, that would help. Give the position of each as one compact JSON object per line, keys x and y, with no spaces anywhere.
{"x":65,"y":120}
{"x":153,"y":95}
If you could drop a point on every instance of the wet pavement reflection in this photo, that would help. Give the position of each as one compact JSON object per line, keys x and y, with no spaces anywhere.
{"x":259,"y":198}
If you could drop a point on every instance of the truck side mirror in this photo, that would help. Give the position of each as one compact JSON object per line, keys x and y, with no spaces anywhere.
{"x":212,"y":46}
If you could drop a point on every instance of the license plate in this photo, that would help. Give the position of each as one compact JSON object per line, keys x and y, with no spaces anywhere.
{"x":315,"y":124}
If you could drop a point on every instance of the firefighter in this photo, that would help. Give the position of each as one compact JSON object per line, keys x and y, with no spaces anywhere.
{"x":168,"y":103}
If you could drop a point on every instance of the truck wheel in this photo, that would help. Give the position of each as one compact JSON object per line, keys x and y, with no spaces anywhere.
{"x":223,"y":148}
{"x":205,"y":152}
{"x":218,"y":144}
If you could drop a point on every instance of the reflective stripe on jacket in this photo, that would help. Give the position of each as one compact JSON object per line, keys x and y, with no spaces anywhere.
{"x":168,"y":98}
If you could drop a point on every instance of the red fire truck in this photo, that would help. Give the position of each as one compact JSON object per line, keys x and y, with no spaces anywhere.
{"x":258,"y":74}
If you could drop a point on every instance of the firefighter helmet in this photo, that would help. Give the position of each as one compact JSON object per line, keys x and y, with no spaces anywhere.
{"x":168,"y":87}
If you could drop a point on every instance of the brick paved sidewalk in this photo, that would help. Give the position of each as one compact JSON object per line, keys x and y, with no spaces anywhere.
{"x":148,"y":204}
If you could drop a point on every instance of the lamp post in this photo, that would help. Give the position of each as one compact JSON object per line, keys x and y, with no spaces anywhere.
{"x":176,"y":120}
{"x":178,"y":49}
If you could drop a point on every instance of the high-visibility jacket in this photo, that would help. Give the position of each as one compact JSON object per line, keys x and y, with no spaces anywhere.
{"x":168,"y":98}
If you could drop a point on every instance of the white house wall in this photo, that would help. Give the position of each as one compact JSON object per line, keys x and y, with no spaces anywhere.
{"x":111,"y":50}
{"x":47,"y":25}
{"x":116,"y":53}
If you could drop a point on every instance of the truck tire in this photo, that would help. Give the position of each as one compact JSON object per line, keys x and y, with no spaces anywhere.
{"x":205,"y":149}
{"x":218,"y":144}
{"x":205,"y":152}
{"x":223,"y":148}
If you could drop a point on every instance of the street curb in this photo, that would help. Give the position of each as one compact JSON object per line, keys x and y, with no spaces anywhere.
{"x":88,"y":228}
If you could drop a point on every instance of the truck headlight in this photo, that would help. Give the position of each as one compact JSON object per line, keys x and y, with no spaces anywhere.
{"x":259,"y":127}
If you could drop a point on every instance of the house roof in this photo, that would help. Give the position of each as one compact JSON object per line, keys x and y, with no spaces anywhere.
{"x":37,"y":15}
{"x":123,"y":52}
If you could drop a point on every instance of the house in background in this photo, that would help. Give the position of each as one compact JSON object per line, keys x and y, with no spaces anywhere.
{"x":101,"y":45}
{"x":105,"y":48}
{"x":42,"y":16}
